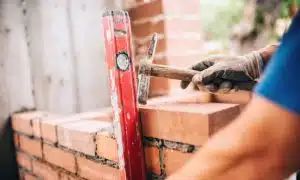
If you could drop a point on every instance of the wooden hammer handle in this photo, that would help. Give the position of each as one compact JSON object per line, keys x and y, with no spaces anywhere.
{"x":172,"y":72}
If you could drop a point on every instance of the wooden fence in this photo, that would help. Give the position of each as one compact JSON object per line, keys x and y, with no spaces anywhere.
{"x":52,"y":55}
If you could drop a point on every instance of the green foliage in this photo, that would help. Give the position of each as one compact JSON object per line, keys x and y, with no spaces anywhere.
{"x":285,"y":8}
{"x":218,"y":17}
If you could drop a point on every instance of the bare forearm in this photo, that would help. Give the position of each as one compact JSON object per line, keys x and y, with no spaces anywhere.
{"x":255,"y":146}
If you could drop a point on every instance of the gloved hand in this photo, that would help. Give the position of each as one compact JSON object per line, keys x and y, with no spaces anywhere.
{"x":224,"y":73}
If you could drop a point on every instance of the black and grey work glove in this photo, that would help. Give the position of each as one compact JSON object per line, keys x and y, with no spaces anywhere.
{"x":225,"y":73}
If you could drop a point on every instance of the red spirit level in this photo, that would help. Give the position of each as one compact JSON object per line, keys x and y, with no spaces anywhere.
{"x":122,"y":80}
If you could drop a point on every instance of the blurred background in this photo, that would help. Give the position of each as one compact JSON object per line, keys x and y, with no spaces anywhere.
{"x":228,"y":22}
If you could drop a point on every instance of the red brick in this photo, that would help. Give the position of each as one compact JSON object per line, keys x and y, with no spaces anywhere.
{"x":186,"y":26}
{"x":142,"y":30}
{"x":44,"y":171}
{"x":167,"y":7}
{"x":158,"y":87}
{"x":24,"y":160}
{"x":59,"y":157}
{"x":49,"y":128}
{"x":80,"y":135}
{"x":129,"y":4}
{"x":179,"y":22}
{"x":187,"y":97}
{"x":240,"y":97}
{"x":187,"y":123}
{"x":167,"y":27}
{"x":16,"y":140}
{"x":107,"y":147}
{"x":93,"y":170}
{"x":37,"y":121}
{"x":168,"y":18}
{"x":31,"y":146}
{"x":146,"y":10}
{"x":28,"y":176}
{"x":104,"y":114}
{"x":152,"y":160}
{"x":21,"y":174}
{"x":64,"y":176}
{"x":181,"y":7}
{"x":174,"y":160}
{"x":22,"y":122}
{"x":173,"y":46}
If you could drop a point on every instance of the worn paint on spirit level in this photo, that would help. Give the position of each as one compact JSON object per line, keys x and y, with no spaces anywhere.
{"x":122,"y":80}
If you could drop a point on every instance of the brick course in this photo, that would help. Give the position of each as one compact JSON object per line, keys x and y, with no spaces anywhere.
{"x":65,"y":176}
{"x":174,"y":160}
{"x":16,"y":140}
{"x":152,"y":160}
{"x":180,"y":34}
{"x":28,"y":176}
{"x":107,"y":147}
{"x":31,"y":146}
{"x":59,"y":157}
{"x":49,"y":128}
{"x":24,"y":160}
{"x":36,"y":123}
{"x":92,"y":170}
{"x":188,"y":123}
{"x":22,"y":122}
{"x":44,"y":171}
{"x":86,"y":149}
{"x":40,"y":157}
{"x":81,"y":135}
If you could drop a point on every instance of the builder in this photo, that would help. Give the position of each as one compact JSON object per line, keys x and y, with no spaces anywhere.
{"x":264,"y":141}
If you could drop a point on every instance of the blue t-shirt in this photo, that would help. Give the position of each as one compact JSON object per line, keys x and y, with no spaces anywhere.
{"x":281,"y":80}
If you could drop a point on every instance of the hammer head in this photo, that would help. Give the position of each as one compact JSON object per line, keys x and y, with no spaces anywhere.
{"x":144,"y":72}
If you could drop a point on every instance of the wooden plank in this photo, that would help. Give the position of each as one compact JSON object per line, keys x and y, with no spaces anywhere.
{"x":86,"y":23}
{"x":15,"y":79}
{"x":15,"y":76}
{"x":52,"y":55}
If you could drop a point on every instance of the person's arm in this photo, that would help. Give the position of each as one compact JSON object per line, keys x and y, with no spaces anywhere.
{"x":262,"y":143}
{"x":223,"y":73}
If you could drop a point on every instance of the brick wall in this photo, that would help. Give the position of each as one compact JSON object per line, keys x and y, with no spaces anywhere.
{"x":57,"y":147}
{"x":179,"y":32}
{"x":82,"y":146}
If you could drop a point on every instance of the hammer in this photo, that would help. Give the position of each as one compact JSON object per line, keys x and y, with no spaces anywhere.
{"x":147,"y":69}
